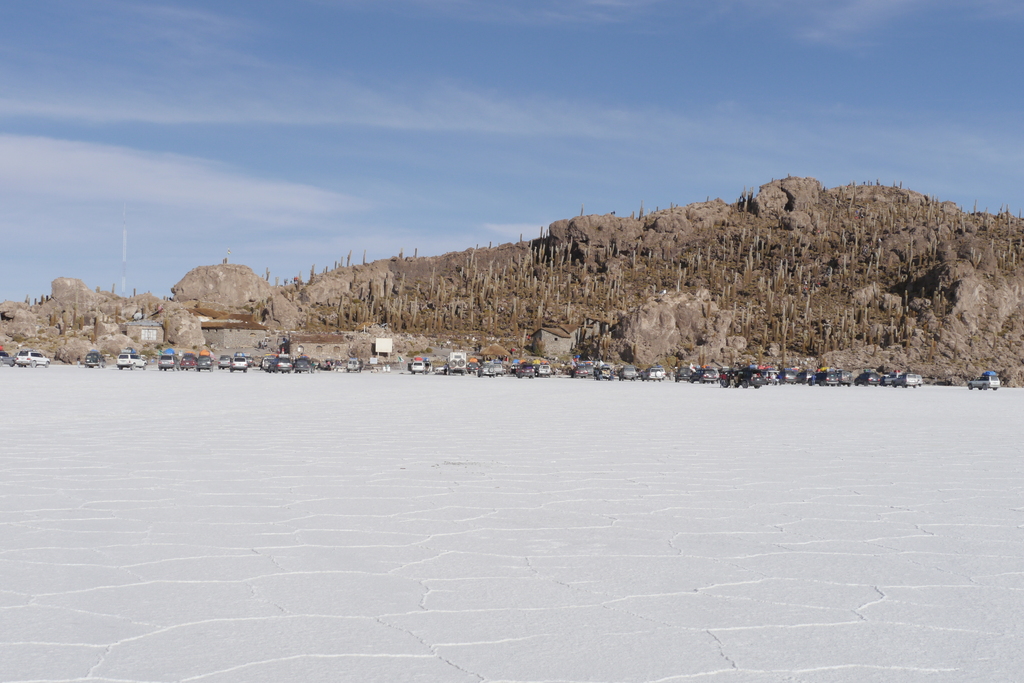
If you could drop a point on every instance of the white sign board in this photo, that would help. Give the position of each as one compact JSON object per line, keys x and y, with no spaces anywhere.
{"x":382,"y":345}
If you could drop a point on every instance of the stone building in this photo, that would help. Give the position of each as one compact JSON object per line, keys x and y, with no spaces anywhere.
{"x":144,"y":331}
{"x":233,"y":334}
{"x":554,"y":340}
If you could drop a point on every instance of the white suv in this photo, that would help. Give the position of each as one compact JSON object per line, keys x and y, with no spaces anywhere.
{"x":984,"y":382}
{"x":30,"y":358}
{"x":907,"y":380}
{"x":131,"y":360}
{"x":239,"y":363}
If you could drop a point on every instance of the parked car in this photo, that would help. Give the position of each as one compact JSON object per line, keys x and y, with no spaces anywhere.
{"x":805,"y":377}
{"x":95,"y":359}
{"x":492,"y":369}
{"x":584,"y":370}
{"x":908,"y":379}
{"x":268,"y":362}
{"x":787,"y":377}
{"x":868,"y":378}
{"x":628,"y":372}
{"x":6,"y":359}
{"x":833,"y":378}
{"x":542,"y":369}
{"x":303,"y":364}
{"x":354,"y":365}
{"x":525,"y":370}
{"x":239,"y":362}
{"x":224,"y":363}
{"x":655,"y":373}
{"x":167,"y":361}
{"x":419,"y":366}
{"x":749,"y":377}
{"x":888,"y":379}
{"x":30,"y":358}
{"x":988,"y":380}
{"x":187,"y":362}
{"x":130,"y":359}
{"x":283,"y":363}
{"x":705,"y":376}
{"x":683,"y":373}
{"x":204,"y":362}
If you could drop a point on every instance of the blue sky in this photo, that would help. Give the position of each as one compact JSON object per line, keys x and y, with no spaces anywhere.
{"x":294,"y":132}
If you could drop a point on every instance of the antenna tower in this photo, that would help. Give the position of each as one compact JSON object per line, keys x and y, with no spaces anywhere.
{"x":124,"y":246}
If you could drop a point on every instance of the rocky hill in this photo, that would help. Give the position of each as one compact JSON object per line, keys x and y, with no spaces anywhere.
{"x":858,"y":275}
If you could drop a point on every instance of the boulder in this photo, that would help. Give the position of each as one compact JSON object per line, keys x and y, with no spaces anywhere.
{"x":69,"y":292}
{"x":789,"y":194}
{"x":73,"y":351}
{"x":7,"y":309}
{"x":228,"y":284}
{"x":664,"y":326}
{"x":284,"y":313}
{"x":104,"y":329}
{"x":112,"y":344}
{"x":20,"y":322}
{"x":183,"y":329}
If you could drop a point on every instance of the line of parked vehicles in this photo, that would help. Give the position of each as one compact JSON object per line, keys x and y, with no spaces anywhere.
{"x":758,"y":376}
{"x":461,"y":363}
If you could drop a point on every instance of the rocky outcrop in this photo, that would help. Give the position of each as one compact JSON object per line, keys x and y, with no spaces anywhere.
{"x":18,"y":320}
{"x":183,"y":329}
{"x":112,"y":344}
{"x":779,"y":197}
{"x":680,"y":324}
{"x":284,"y":313}
{"x":858,"y":275}
{"x":71,"y":292}
{"x":73,"y":351}
{"x":227,"y":284}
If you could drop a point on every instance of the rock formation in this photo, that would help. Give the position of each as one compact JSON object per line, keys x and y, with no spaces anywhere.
{"x":227,"y":284}
{"x":858,"y":275}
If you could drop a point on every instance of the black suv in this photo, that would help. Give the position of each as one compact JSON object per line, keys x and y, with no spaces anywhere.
{"x":869,"y":378}
{"x":94,"y":359}
{"x":744,"y":378}
{"x":834,"y":378}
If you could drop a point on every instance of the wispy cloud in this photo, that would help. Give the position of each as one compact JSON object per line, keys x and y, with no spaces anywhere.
{"x":290,"y":98}
{"x":77,"y":171}
{"x":521,"y":11}
{"x":837,"y":22}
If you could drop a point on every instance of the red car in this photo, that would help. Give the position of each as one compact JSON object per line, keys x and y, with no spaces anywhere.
{"x":188,"y":362}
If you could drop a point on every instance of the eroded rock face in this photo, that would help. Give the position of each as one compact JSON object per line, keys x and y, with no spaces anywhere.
{"x":70,"y":292}
{"x":779,"y":197}
{"x":73,"y":351}
{"x":19,"y":321}
{"x":667,"y":325}
{"x":183,"y":329}
{"x":112,"y":344}
{"x":228,"y":284}
{"x":104,"y":329}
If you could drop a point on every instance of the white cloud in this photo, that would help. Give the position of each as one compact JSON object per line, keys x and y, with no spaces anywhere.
{"x":84,"y":172}
{"x":288,"y":98}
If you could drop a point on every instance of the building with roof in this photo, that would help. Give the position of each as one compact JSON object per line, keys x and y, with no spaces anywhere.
{"x":554,"y":340}
{"x":144,"y":331}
